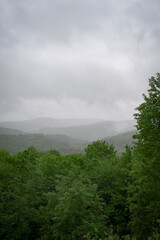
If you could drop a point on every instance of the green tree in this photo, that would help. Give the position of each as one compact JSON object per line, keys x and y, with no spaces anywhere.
{"x":145,"y":188}
{"x":21,"y":197}
{"x":12,"y":204}
{"x":100,"y":149}
{"x":111,"y":174}
{"x":74,"y":208}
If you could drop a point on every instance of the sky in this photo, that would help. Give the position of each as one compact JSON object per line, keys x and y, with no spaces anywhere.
{"x":76,"y":58}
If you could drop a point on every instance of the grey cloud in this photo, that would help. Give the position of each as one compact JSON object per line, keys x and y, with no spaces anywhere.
{"x":49,"y":20}
{"x":96,"y":54}
{"x":58,"y":20}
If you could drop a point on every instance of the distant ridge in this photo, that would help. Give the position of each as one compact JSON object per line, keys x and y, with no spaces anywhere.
{"x":92,"y":132}
{"x":38,"y":123}
{"x":121,"y":140}
{"x":63,"y":144}
{"x":9,"y":131}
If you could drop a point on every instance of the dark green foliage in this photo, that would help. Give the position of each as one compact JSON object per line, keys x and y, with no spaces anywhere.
{"x":79,"y":209}
{"x":100,"y":149}
{"x":145,"y":189}
{"x":50,"y":196}
{"x":20,"y":197}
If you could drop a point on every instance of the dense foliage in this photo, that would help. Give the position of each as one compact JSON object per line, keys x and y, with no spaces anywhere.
{"x":98,"y":195}
{"x":145,"y":189}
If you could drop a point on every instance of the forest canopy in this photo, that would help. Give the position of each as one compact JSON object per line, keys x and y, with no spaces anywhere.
{"x":97,"y":195}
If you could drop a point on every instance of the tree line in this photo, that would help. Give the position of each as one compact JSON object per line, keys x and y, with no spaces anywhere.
{"x":98,"y":195}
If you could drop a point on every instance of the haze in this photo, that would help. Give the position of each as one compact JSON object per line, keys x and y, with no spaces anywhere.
{"x":76,"y":59}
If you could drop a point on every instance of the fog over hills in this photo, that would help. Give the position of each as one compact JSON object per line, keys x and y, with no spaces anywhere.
{"x":9,"y":131}
{"x":85,"y":129}
{"x":121,"y":140}
{"x":64,"y":135}
{"x":63,"y":144}
{"x":38,"y":123}
{"x":92,"y":132}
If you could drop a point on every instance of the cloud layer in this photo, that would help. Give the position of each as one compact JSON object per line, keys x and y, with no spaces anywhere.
{"x":76,"y":59}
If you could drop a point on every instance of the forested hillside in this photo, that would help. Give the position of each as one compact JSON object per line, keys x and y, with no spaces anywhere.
{"x":121,"y":140}
{"x":68,"y":140}
{"x":98,"y":195}
{"x":61,"y":143}
{"x":9,"y":131}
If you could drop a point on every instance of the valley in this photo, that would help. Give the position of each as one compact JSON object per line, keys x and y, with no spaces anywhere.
{"x":67,"y":139}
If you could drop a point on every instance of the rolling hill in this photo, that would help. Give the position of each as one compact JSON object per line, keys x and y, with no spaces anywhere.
{"x":9,"y":131}
{"x":121,"y":140}
{"x":66,"y":140}
{"x":91,"y":132}
{"x":38,"y":123}
{"x":63,"y":144}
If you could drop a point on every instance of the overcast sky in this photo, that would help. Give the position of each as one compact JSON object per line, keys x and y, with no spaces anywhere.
{"x":76,"y":58}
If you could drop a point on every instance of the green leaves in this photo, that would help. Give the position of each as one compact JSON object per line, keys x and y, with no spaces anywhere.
{"x":79,"y":208}
{"x":50,"y":196}
{"x":100,"y":149}
{"x":145,"y":188}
